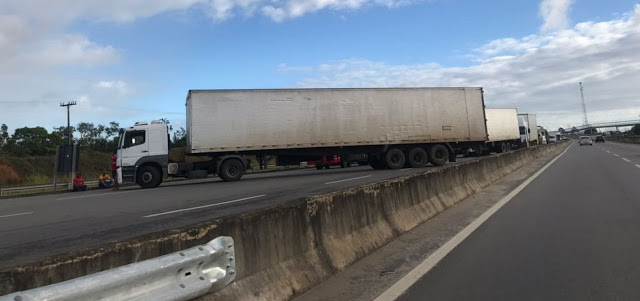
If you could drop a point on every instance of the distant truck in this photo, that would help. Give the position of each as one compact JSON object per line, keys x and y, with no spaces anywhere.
{"x":528,"y":129}
{"x":503,"y":130}
{"x":394,"y":127}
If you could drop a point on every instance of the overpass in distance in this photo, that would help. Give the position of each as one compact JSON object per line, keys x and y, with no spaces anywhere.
{"x":613,"y":124}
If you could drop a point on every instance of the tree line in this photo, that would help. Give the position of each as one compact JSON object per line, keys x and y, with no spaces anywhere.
{"x":38,"y":141}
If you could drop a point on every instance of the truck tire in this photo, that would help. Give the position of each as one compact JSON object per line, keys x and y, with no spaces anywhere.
{"x":508,"y":146}
{"x":376,"y":163}
{"x":438,"y":155}
{"x":502,"y":148}
{"x":148,"y":177}
{"x":231,"y":170}
{"x":395,"y":158}
{"x":319,"y":167}
{"x":418,"y":157}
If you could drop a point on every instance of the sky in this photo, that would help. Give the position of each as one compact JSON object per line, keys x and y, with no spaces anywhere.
{"x":135,"y":60}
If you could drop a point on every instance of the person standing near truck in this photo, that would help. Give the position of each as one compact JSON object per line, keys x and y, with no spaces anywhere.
{"x":114,"y":170}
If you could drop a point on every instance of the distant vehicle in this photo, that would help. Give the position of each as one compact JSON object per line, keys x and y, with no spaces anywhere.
{"x":528,"y":129}
{"x":599,"y":139}
{"x":585,"y":140}
{"x":553,"y":139}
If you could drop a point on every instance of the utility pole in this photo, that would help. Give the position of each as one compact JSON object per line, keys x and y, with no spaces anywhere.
{"x":585,"y":121}
{"x":68,"y":105}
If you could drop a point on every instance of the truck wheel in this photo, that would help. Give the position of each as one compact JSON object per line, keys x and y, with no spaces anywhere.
{"x":327,"y":166}
{"x":376,"y":163}
{"x":418,"y":157}
{"x":502,"y":148}
{"x":149,"y":177}
{"x":438,"y":155}
{"x":231,"y":170}
{"x":319,"y":167}
{"x":508,"y":146}
{"x":395,"y":158}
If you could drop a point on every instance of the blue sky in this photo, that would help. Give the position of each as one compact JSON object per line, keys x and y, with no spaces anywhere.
{"x":136,"y":60}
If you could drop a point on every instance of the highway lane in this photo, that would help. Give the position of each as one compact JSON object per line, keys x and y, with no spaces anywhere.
{"x":33,"y":227}
{"x":571,"y":234}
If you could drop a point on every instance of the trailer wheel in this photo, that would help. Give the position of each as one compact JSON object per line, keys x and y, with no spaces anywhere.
{"x":508,"y":146}
{"x":148,"y":177}
{"x":418,"y":157}
{"x":376,"y":163}
{"x":319,"y":167}
{"x":438,"y":155}
{"x":231,"y":170}
{"x":395,"y":158}
{"x":327,"y":166}
{"x":502,"y":148}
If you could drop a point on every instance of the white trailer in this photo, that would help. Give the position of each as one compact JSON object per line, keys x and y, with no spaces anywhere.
{"x":528,"y":129}
{"x":395,"y":127}
{"x":503,"y":129}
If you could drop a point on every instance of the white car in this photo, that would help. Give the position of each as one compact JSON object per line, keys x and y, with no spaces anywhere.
{"x":585,"y":140}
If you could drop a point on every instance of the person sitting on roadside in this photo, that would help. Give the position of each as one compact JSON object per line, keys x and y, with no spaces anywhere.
{"x":104,"y":180}
{"x":78,"y":183}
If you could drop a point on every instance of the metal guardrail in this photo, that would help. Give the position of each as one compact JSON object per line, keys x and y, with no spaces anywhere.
{"x":178,"y":276}
{"x":63,"y":186}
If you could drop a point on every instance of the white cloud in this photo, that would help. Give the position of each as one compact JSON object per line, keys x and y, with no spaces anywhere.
{"x":536,"y":73}
{"x":554,"y":13}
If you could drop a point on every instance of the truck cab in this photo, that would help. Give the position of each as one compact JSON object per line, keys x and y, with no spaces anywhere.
{"x":143,"y":154}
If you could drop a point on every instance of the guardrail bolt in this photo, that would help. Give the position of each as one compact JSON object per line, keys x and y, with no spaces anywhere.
{"x":181,"y":254}
{"x":230,"y":258}
{"x":201,"y":278}
{"x":230,"y":246}
{"x":228,"y":265}
{"x":232,"y":272}
{"x":182,"y":285}
{"x":201,"y":248}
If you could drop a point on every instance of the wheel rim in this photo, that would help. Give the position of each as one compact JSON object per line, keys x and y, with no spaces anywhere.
{"x":233,"y":170}
{"x":147,"y":177}
{"x":439,"y":154}
{"x":395,"y":158}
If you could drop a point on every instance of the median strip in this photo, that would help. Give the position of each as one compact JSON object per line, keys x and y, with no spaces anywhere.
{"x":205,"y":206}
{"x":351,"y":179}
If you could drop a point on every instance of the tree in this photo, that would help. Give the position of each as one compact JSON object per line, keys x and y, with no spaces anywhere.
{"x":168,"y":123}
{"x":63,"y":133}
{"x":33,"y":142}
{"x":113,"y":130}
{"x":4,"y":134}
{"x":179,"y":138}
{"x":91,"y":135}
{"x":635,"y":130}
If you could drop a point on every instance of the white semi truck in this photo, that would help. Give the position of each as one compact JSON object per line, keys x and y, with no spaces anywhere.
{"x":528,"y":129}
{"x":395,"y":127}
{"x":503,"y":130}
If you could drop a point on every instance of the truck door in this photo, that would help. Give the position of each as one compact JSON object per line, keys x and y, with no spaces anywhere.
{"x":134,"y":147}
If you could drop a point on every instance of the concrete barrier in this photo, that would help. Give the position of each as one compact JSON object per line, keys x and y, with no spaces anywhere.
{"x":285,"y":250}
{"x":630,"y":139}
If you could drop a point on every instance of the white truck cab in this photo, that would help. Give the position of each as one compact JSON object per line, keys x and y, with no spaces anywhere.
{"x":143,"y":154}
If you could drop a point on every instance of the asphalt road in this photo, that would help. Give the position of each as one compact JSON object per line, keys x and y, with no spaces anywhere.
{"x":571,"y":234}
{"x":34,"y":227}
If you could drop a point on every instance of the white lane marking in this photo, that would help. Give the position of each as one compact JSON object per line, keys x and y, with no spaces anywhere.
{"x":94,"y":195}
{"x":17,"y":214}
{"x":638,"y":165}
{"x":608,"y":152}
{"x":616,"y":155}
{"x":206,"y":206}
{"x":351,"y":179}
{"x":626,"y":160}
{"x":423,"y":268}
